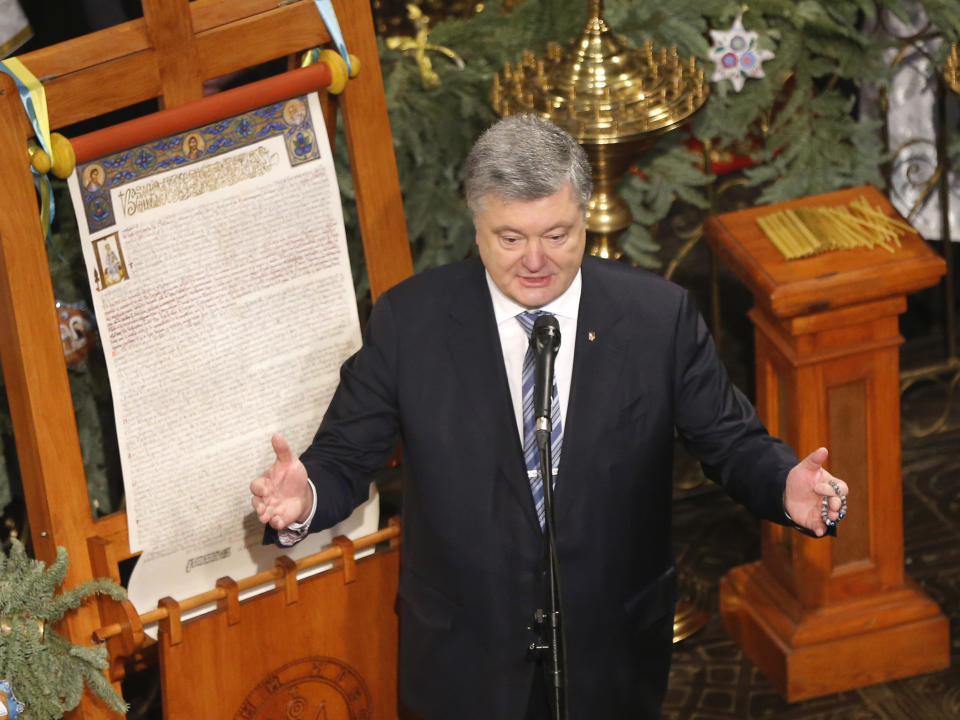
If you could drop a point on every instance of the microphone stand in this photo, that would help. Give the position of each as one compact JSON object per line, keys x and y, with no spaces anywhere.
{"x":544,"y":341}
{"x":550,"y":621}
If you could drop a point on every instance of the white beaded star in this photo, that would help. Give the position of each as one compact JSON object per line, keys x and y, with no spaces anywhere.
{"x":735,"y":54}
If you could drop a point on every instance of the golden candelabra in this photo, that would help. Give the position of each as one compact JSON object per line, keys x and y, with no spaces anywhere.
{"x":615,"y":100}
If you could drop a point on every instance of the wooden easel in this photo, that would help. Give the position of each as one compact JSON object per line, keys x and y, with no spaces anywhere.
{"x":167,"y":54}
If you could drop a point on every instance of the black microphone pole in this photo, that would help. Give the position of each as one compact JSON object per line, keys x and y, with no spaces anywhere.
{"x":545,"y":341}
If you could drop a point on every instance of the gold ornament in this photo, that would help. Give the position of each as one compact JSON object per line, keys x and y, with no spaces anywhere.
{"x":6,"y":628}
{"x":951,"y":70}
{"x":419,"y":45}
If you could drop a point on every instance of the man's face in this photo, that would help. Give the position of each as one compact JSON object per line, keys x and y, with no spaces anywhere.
{"x":532,"y":249}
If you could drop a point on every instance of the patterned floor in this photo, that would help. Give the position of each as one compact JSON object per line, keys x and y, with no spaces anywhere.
{"x":711,"y":679}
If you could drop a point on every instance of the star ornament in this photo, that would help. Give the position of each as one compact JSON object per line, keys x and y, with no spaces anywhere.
{"x":735,"y":55}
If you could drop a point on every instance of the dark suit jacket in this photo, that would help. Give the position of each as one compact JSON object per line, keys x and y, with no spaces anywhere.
{"x":431,"y":369}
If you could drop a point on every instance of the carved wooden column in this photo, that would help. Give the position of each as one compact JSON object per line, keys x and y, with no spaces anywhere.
{"x":821,"y":616}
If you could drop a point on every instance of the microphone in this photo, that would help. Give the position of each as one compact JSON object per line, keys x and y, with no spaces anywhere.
{"x":545,"y":341}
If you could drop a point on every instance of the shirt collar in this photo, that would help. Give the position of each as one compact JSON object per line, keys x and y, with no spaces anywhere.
{"x":567,"y":305}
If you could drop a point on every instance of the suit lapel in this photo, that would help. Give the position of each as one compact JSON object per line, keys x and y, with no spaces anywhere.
{"x":473,"y":342}
{"x":597,"y":365}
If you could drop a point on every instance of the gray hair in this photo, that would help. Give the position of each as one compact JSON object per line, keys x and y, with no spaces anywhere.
{"x":525,"y":157}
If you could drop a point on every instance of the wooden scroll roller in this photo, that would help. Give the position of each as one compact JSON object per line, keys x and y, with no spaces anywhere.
{"x":226,"y":594}
{"x":209,"y":109}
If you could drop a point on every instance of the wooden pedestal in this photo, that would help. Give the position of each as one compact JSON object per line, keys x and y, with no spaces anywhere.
{"x":821,"y":616}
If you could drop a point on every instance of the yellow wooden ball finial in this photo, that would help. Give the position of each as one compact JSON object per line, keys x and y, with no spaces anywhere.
{"x":64,"y":158}
{"x":338,"y":70}
{"x":39,"y":160}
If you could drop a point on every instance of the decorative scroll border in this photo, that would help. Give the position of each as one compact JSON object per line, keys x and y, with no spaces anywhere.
{"x":288,"y":118}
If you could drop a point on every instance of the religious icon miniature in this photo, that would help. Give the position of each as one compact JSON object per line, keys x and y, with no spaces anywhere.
{"x":111,"y":267}
{"x":93,"y":178}
{"x":294,"y":112}
{"x":193,"y":146}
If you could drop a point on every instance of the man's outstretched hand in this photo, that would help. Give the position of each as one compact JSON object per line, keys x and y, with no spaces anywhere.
{"x":282,"y":495}
{"x":807,"y":484}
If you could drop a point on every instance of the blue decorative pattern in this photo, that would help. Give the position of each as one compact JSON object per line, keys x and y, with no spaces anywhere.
{"x":289,"y":119}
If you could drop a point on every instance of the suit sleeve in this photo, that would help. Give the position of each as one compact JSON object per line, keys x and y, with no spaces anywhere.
{"x":720,"y":427}
{"x":359,"y":430}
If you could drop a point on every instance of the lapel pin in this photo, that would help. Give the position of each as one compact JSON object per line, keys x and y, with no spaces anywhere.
{"x":591,"y":336}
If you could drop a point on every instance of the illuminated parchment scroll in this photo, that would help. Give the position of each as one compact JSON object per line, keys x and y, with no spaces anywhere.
{"x":222,"y":287}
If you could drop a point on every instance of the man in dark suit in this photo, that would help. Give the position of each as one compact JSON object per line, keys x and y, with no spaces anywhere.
{"x":441,"y":367}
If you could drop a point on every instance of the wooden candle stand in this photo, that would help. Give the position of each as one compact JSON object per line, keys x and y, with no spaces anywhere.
{"x":818,"y":616}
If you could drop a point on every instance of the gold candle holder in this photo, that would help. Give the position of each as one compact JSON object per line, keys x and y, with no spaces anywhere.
{"x":615,"y":100}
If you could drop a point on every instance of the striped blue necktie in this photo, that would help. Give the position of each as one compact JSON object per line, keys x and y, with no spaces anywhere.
{"x":531,"y":452}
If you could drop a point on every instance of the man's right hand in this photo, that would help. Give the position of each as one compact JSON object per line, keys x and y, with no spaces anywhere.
{"x":282,"y":495}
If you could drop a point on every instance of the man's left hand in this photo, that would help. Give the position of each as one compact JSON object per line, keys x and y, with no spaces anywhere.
{"x":807,"y":484}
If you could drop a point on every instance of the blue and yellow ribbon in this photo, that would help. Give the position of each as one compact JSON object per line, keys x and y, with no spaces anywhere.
{"x":329,"y":17}
{"x":34,"y":101}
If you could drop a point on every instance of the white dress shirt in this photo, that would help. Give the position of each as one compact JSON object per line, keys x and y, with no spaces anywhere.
{"x":514,"y":343}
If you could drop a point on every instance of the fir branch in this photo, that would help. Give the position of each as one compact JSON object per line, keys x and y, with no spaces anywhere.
{"x":944,"y":15}
{"x":53,"y":576}
{"x":16,"y":569}
{"x":74,"y":597}
{"x":48,"y":673}
{"x":638,"y":245}
{"x":102,"y":688}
